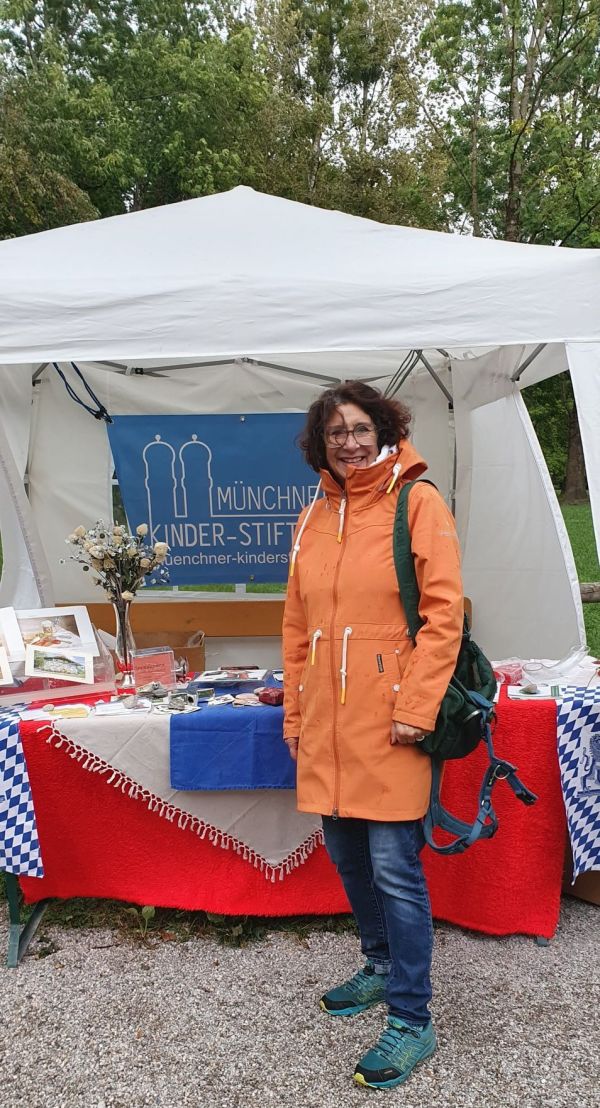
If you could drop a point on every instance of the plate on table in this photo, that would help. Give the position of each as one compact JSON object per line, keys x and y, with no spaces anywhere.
{"x":534,"y":692}
{"x":228,"y":675}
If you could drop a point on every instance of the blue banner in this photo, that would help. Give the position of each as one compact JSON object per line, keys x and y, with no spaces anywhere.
{"x":224,"y":491}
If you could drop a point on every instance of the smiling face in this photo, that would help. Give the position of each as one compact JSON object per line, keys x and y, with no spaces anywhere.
{"x":360,"y":448}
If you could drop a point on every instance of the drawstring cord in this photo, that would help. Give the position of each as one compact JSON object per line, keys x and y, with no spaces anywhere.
{"x":395,"y":473}
{"x":296,"y":546}
{"x":343,"y":669}
{"x":342,"y":511}
{"x":315,"y":639}
{"x":342,"y":514}
{"x":100,"y":412}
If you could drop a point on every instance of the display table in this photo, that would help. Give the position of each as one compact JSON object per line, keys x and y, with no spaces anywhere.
{"x":99,"y":841}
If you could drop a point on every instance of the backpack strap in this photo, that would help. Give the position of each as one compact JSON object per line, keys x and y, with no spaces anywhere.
{"x":404,"y":562}
{"x":486,"y":822}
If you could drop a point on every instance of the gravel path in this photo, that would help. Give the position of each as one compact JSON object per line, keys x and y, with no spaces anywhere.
{"x":102,"y":1023}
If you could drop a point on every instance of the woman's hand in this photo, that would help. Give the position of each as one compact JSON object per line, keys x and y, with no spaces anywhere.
{"x":404,"y":735}
{"x":292,"y":745}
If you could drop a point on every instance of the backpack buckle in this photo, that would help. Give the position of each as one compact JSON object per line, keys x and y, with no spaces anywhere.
{"x":501,"y":771}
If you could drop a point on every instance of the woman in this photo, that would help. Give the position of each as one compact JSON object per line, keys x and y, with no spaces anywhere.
{"x":359,"y":698}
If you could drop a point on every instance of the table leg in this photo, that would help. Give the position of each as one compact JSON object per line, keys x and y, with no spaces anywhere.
{"x":19,"y":937}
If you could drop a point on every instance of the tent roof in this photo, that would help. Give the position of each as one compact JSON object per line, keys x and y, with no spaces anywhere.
{"x":246,"y":274}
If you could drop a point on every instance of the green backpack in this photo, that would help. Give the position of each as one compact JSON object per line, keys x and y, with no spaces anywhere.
{"x":465,"y":715}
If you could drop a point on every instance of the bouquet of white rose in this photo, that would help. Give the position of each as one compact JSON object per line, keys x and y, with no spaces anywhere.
{"x":119,"y":562}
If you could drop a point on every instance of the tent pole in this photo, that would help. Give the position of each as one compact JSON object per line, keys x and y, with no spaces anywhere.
{"x":454,"y":459}
{"x":301,"y":372}
{"x":435,"y":376}
{"x":288,"y":369}
{"x":534,"y":353}
{"x":450,"y":400}
{"x":157,"y":371}
{"x":402,"y":373}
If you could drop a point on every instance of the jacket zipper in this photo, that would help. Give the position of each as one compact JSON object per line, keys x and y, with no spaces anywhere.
{"x":332,"y":662}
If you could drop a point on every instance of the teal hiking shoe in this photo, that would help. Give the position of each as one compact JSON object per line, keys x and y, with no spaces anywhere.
{"x":362,"y":991}
{"x":393,"y":1058}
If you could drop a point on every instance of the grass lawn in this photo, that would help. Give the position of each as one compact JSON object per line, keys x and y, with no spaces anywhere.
{"x":578,"y":520}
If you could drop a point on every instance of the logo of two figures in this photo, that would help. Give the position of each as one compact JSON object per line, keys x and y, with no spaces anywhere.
{"x":178,"y":482}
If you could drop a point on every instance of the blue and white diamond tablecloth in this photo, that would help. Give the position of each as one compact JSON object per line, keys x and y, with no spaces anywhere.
{"x":19,"y":846}
{"x":578,"y":727}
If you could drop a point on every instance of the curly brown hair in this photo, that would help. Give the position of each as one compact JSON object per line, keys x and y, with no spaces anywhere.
{"x":391,"y":418}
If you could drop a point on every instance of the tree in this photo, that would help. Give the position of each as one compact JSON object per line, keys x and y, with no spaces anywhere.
{"x":551,"y":405}
{"x":342,"y":107}
{"x":515,"y":103}
{"x":134,"y":102}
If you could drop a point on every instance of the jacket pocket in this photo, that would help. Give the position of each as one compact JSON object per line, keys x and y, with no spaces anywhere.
{"x":387,"y":663}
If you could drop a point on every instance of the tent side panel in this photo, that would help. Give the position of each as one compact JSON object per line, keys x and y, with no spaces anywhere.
{"x":518,"y":565}
{"x":25,"y":580}
{"x":69,"y":482}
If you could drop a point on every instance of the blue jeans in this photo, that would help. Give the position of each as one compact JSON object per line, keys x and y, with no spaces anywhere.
{"x":381,"y":871}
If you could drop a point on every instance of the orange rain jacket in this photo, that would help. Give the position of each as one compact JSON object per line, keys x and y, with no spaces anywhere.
{"x":349,"y":666}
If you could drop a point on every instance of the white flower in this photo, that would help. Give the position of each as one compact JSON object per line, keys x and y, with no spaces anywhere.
{"x":79,"y":532}
{"x":127,"y":595}
{"x":142,"y":529}
{"x":161,"y":548}
{"x":145,"y":563}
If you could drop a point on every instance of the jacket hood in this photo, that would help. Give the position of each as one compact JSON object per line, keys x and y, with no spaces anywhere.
{"x":362,"y":487}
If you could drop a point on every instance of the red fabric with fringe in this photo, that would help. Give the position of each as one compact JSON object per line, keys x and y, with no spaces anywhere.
{"x":98,"y":842}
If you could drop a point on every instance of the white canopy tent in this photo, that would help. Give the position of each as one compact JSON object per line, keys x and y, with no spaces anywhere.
{"x":242,"y":302}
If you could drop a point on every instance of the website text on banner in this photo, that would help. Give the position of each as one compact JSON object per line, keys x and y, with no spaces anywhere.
{"x":224,"y":491}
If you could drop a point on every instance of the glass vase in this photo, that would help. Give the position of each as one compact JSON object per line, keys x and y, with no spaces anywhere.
{"x":125,"y":644}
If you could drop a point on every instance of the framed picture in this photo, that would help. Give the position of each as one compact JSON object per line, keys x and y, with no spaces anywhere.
{"x":6,"y":677}
{"x":11,"y":638}
{"x":58,"y":628}
{"x":61,"y":665}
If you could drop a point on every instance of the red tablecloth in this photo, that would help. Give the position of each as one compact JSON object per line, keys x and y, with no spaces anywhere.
{"x":97,"y":842}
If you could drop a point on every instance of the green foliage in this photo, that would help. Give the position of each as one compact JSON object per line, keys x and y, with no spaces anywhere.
{"x":343,"y":104}
{"x":132,"y":104}
{"x":142,"y":916}
{"x":142,"y":102}
{"x":150,"y":925}
{"x":549,"y":404}
{"x":514,"y":102}
{"x":481,"y":115}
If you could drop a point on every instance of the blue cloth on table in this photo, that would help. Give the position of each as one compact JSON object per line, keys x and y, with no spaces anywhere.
{"x":230,"y":748}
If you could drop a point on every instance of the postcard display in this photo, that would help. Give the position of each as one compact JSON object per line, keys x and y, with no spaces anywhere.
{"x":48,"y":653}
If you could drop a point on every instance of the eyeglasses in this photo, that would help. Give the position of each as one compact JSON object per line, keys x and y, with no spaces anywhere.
{"x":338,"y":436}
